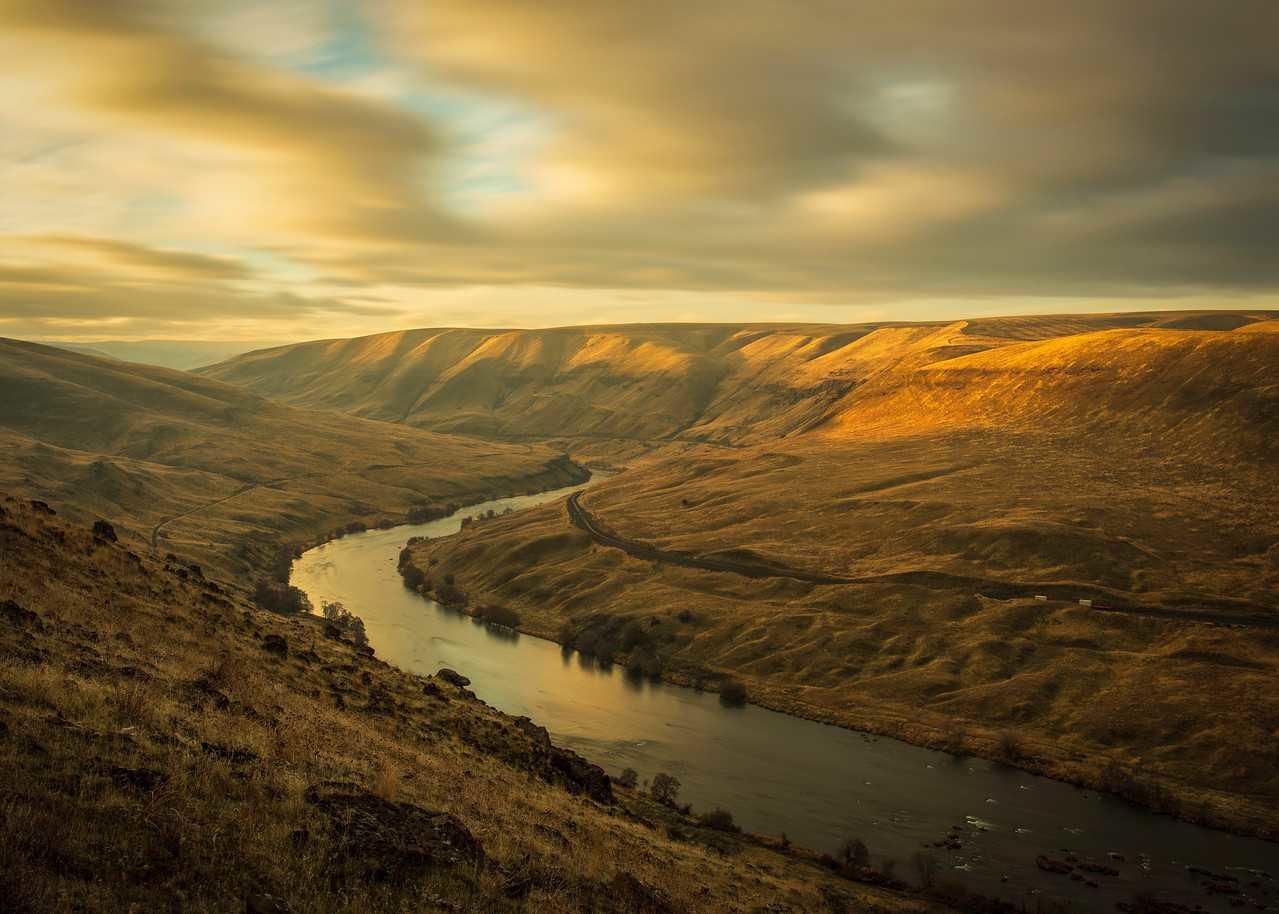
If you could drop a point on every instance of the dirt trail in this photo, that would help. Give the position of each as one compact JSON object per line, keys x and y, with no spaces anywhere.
{"x":1241,"y":614}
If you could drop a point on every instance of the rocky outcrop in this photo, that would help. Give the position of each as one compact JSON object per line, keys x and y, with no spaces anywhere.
{"x":453,"y":677}
{"x":392,"y":843}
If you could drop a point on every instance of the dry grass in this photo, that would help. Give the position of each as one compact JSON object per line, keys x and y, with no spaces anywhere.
{"x":226,"y":475}
{"x":156,"y":758}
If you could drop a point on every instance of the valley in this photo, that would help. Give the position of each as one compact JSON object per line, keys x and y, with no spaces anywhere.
{"x":1044,"y":544}
{"x":921,"y":485}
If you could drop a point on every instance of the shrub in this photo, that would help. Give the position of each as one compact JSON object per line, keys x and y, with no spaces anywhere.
{"x":347,"y":621}
{"x":854,"y":853}
{"x":280,"y":598}
{"x":628,"y":778}
{"x":732,"y":692}
{"x":720,"y":820}
{"x":1010,"y":746}
{"x":500,"y":615}
{"x":665,"y":788}
{"x":413,"y":576}
{"x":449,"y":595}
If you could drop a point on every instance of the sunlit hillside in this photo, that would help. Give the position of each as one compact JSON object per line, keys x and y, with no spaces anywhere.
{"x":720,"y":383}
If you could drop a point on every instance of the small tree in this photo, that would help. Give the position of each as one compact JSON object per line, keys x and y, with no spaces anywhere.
{"x":1010,"y":746}
{"x":720,"y":820}
{"x":346,"y":620}
{"x":854,"y":853}
{"x":732,"y":692}
{"x":665,"y":788}
{"x":628,"y":778}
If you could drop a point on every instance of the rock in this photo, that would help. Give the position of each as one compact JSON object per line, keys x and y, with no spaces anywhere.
{"x":219,"y":699}
{"x":16,"y":616}
{"x":144,"y":779}
{"x":1049,"y":865}
{"x":104,"y":531}
{"x":394,"y":843}
{"x":42,"y":507}
{"x":580,"y":776}
{"x":624,"y":894}
{"x":453,"y":677}
{"x":275,"y":644}
{"x":265,"y":903}
{"x":540,"y":737}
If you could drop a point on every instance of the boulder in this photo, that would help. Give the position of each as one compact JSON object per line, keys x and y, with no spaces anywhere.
{"x":393,"y":843}
{"x":580,"y":776}
{"x":17,"y":616}
{"x":104,"y":531}
{"x":453,"y":677}
{"x":275,"y":644}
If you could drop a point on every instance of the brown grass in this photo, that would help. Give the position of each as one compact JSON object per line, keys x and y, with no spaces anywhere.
{"x":155,"y":757}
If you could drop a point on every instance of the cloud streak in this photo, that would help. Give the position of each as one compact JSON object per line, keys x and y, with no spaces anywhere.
{"x":820,"y":154}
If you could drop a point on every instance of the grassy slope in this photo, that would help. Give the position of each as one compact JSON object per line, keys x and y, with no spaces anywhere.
{"x":1137,"y":460}
{"x":718,"y":382}
{"x":226,"y":473}
{"x":156,"y":757}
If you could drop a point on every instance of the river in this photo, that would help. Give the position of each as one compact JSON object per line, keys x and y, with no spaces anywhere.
{"x":816,"y":783}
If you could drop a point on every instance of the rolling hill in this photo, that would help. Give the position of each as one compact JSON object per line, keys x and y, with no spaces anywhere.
{"x":219,"y":474}
{"x":718,"y":383}
{"x":956,"y":469}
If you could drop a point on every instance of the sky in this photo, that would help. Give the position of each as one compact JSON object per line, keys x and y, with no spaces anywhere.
{"x":302,"y":169}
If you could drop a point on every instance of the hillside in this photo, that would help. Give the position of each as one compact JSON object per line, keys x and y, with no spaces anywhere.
{"x":1130,"y":467}
{"x":192,"y":465}
{"x":166,"y":746}
{"x":180,"y":354}
{"x":727,"y":384}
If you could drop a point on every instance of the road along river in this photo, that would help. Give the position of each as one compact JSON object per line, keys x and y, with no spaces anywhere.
{"x":816,"y":783}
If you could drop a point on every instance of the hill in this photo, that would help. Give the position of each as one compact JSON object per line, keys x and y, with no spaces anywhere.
{"x":956,"y":479}
{"x":219,"y":474}
{"x":166,"y":746}
{"x":181,"y":354}
{"x":719,"y":383}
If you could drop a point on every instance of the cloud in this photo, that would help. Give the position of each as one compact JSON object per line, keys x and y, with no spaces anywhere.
{"x":362,"y":162}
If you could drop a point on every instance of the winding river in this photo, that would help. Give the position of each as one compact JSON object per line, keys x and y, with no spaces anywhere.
{"x":816,"y":783}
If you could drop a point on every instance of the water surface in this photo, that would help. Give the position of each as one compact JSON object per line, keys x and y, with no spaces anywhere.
{"x":816,"y":783}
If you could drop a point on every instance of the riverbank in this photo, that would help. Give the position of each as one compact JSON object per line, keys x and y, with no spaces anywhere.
{"x":165,"y":744}
{"x":550,"y":576}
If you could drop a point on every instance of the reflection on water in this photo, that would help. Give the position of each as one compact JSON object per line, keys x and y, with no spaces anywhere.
{"x":816,"y":783}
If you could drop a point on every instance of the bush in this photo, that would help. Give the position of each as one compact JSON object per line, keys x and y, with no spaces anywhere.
{"x":449,"y":595}
{"x":413,"y":576}
{"x":350,"y":624}
{"x":732,"y":692}
{"x":854,"y":853}
{"x":628,"y":778}
{"x":665,"y":788}
{"x":720,"y":820}
{"x":500,"y":615}
{"x":280,"y":598}
{"x":1010,"y":746}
